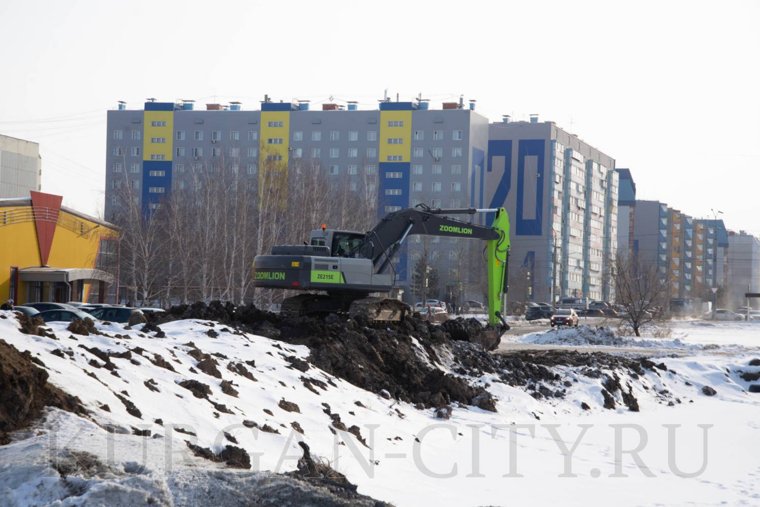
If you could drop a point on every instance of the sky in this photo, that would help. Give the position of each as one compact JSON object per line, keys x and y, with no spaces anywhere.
{"x":669,"y":89}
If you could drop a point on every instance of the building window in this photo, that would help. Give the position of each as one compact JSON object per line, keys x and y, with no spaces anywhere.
{"x":457,"y":135}
{"x":180,"y":168}
{"x":334,"y":135}
{"x":417,"y":169}
{"x":437,"y":153}
{"x":392,"y":191}
{"x":274,"y":140}
{"x":158,"y":140}
{"x":353,"y":135}
{"x":417,"y":186}
{"x":352,"y":186}
{"x":391,"y":209}
{"x":117,"y":167}
{"x":438,"y":135}
{"x":198,"y":135}
{"x":157,"y":174}
{"x":158,"y":124}
{"x":419,"y":135}
{"x":334,"y":170}
{"x":352,"y":169}
{"x":274,"y":124}
{"x":253,"y":152}
{"x":234,"y":135}
{"x":456,"y":151}
{"x":156,"y":190}
{"x":216,"y":152}
{"x":316,"y":135}
{"x":136,"y":136}
{"x":437,"y":169}
{"x":274,"y":158}
{"x":235,"y":152}
{"x":297,"y":152}
{"x":216,"y":135}
{"x":370,"y":169}
{"x":156,"y":156}
{"x":418,"y":152}
{"x":136,"y":184}
{"x":371,"y":152}
{"x":253,"y":135}
{"x":396,"y":123}
{"x":371,"y":135}
{"x":456,"y":169}
{"x":180,"y":135}
{"x":456,"y":186}
{"x":134,"y":151}
{"x":251,"y":169}
{"x":118,"y":151}
{"x":180,"y":151}
{"x":353,"y":152}
{"x":298,"y":135}
{"x":436,"y":186}
{"x":134,"y":168}
{"x":118,"y":134}
{"x":316,"y":153}
{"x":394,"y":158}
{"x":393,"y":175}
{"x":197,"y":152}
{"x":395,"y":140}
{"x":334,"y":152}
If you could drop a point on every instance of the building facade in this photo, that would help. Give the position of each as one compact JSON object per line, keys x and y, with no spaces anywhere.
{"x":399,"y":155}
{"x":20,"y":167}
{"x":626,"y":208}
{"x":562,"y":197}
{"x":743,"y":270}
{"x":50,"y":252}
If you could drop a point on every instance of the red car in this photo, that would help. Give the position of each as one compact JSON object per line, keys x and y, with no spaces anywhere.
{"x":565,"y":317}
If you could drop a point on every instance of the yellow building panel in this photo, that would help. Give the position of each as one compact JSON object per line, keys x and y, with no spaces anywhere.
{"x":158,"y":127}
{"x":395,"y":141}
{"x":274,"y":144}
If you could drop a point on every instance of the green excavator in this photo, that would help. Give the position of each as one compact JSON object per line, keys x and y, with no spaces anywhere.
{"x":343,"y":269}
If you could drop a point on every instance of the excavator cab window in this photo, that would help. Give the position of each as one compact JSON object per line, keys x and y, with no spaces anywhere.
{"x":345,"y":244}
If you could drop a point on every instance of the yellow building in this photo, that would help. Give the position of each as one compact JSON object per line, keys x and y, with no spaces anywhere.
{"x":49,"y":252}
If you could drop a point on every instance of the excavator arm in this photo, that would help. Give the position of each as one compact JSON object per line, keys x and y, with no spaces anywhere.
{"x":381,"y":243}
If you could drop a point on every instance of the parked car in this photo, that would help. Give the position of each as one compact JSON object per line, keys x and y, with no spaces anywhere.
{"x":723,"y":314}
{"x":26,"y":310}
{"x":433,"y":314}
{"x":565,"y":317}
{"x":539,"y":311}
{"x":64,"y":315}
{"x":473,"y":307}
{"x":42,"y":307}
{"x":120,"y":314}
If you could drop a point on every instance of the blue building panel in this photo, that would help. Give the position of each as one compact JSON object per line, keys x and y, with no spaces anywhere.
{"x":159,"y":106}
{"x":397,"y":106}
{"x":393,"y":189}
{"x":278,"y":106}
{"x":156,"y":174}
{"x":530,"y":225}
{"x":502,"y":149}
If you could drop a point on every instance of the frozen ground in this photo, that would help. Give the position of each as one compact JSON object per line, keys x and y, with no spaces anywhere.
{"x":702,"y":450}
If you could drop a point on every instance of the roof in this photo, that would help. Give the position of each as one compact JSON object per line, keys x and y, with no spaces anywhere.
{"x":47,"y":274}
{"x":27,"y":201}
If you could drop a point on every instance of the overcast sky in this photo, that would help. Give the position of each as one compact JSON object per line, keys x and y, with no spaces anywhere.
{"x":670,"y":89}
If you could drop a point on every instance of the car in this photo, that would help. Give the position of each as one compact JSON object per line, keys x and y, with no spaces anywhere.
{"x":119,"y":314}
{"x":64,"y":315}
{"x":538,"y":311}
{"x":433,"y":314}
{"x":473,"y":307}
{"x":723,"y":314}
{"x":26,"y":310}
{"x":45,"y":306}
{"x":564,"y":317}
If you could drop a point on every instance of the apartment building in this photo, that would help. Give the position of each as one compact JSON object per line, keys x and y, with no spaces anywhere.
{"x":20,"y":167}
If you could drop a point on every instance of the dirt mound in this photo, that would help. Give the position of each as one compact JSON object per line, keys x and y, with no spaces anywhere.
{"x":24,"y":391}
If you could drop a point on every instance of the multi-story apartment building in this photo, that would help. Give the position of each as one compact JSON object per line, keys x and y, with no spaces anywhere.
{"x":20,"y":167}
{"x":402,"y":153}
{"x":688,"y":253}
{"x":743,"y":269}
{"x":626,"y":208}
{"x":562,"y":196}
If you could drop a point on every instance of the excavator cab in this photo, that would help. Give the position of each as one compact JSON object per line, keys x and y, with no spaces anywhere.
{"x":341,"y":243}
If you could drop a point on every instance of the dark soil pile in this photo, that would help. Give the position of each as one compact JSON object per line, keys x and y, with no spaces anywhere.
{"x":24,"y":391}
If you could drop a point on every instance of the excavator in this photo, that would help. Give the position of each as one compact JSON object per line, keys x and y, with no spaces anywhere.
{"x":347,"y":268}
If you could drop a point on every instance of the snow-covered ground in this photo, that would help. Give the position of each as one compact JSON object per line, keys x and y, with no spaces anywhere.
{"x":702,"y":450}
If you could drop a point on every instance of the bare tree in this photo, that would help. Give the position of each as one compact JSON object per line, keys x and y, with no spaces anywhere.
{"x":640,"y":290}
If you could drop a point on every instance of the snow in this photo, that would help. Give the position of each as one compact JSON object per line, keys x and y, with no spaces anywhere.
{"x":522,"y":454}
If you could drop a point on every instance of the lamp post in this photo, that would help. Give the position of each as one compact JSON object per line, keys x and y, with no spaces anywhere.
{"x":715,"y":300}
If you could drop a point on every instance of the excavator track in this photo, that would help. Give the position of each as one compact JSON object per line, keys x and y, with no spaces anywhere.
{"x":376,"y":309}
